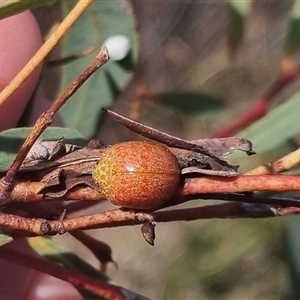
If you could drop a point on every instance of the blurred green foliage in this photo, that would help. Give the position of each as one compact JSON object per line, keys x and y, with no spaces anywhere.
{"x":292,"y":42}
{"x":9,"y":8}
{"x":102,"y":20}
{"x":12,"y":139}
{"x":237,"y":11}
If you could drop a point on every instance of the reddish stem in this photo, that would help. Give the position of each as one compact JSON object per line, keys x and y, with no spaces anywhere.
{"x":260,"y":108}
{"x":79,"y":280}
{"x":241,"y":184}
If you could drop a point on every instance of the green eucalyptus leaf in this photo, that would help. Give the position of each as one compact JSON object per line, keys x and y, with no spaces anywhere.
{"x":12,"y":139}
{"x":5,"y":239}
{"x":292,"y":42}
{"x":190,"y":103}
{"x":279,"y":125}
{"x":237,"y":11}
{"x":292,"y":255}
{"x":103,"y":20}
{"x":10,"y":8}
{"x":271,"y":135}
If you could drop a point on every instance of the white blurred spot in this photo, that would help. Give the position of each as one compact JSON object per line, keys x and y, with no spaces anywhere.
{"x":118,"y":46}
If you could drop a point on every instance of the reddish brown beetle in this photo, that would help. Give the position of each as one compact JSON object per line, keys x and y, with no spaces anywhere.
{"x":139,"y":174}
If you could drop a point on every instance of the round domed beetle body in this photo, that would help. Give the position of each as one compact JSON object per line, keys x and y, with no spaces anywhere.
{"x":138,"y":174}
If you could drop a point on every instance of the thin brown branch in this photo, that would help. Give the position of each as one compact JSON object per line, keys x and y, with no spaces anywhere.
{"x":224,"y":211}
{"x":247,"y":198}
{"x":41,"y":226}
{"x":244,"y":206}
{"x":68,"y":59}
{"x":117,"y":218}
{"x":33,"y":226}
{"x":79,"y":280}
{"x":220,"y":211}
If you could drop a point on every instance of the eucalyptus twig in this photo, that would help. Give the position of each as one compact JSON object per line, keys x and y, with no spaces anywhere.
{"x":41,"y":226}
{"x":31,"y":226}
{"x":283,"y":164}
{"x":79,"y":280}
{"x":101,"y":250}
{"x":221,"y":211}
{"x":247,"y":198}
{"x":240,"y":207}
{"x":241,"y":184}
{"x":45,"y":120}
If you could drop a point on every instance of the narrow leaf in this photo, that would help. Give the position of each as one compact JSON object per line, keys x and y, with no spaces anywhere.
{"x":190,"y":103}
{"x":5,"y":239}
{"x":292,"y":42}
{"x":292,"y":255}
{"x":237,"y":11}
{"x":279,"y":125}
{"x":102,"y":20}
{"x":12,"y":139}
